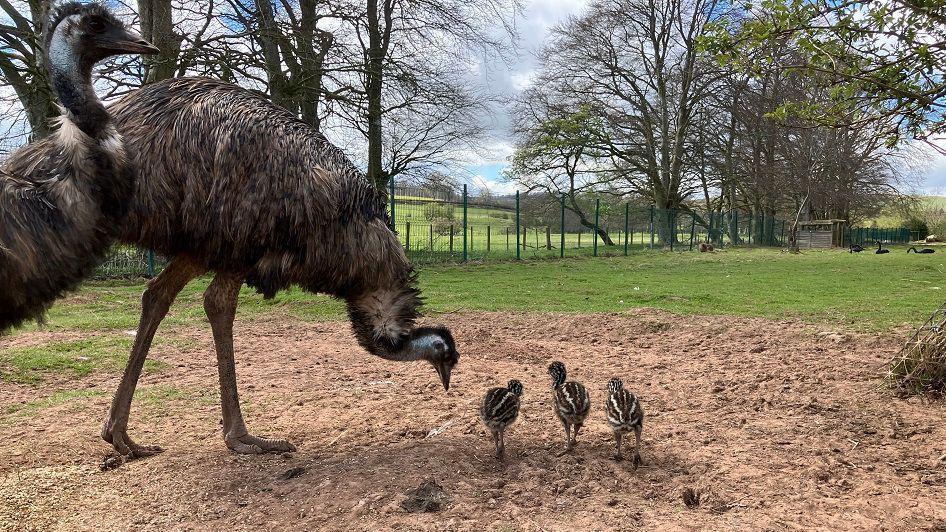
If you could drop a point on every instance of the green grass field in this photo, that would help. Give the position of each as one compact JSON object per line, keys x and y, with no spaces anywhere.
{"x":863,"y":291}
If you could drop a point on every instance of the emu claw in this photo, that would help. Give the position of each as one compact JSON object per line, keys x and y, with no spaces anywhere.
{"x":249,"y":444}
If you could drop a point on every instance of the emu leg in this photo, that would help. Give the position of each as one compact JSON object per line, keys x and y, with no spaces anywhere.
{"x":155,"y":302}
{"x":220,"y":301}
{"x":617,"y":446}
{"x":568,"y":437}
{"x":637,"y":447}
{"x":577,"y":427}
{"x":496,"y":443}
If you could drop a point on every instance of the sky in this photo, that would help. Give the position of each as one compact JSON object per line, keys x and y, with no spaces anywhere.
{"x":508,"y":78}
{"x":538,"y":17}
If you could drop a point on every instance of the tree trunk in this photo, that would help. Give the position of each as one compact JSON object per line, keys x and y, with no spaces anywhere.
{"x":269,"y":42}
{"x":379,"y":31}
{"x":314,"y":44}
{"x":585,"y":222}
{"x":31,"y":85}
{"x":157,"y":27}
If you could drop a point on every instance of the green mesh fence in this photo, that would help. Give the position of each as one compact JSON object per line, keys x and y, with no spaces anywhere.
{"x":445,"y":224}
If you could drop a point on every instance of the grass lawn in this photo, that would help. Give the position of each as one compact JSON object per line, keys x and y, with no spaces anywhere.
{"x":863,"y":291}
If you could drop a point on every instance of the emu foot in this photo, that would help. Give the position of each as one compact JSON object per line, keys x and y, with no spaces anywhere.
{"x":124,"y":445}
{"x":637,"y":461}
{"x":249,"y":444}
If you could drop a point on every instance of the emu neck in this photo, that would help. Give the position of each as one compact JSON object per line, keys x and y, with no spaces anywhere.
{"x":72,"y":80}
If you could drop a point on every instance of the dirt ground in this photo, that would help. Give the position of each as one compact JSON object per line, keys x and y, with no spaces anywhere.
{"x":777,"y":425}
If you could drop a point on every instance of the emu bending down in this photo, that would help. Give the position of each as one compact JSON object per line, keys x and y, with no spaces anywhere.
{"x":230,"y":183}
{"x":62,"y":198}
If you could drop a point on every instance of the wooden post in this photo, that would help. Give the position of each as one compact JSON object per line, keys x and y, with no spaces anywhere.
{"x":451,"y":238}
{"x":548,"y":237}
{"x":525,"y":235}
{"x":471,"y":238}
{"x":407,"y":237}
{"x":507,"y":238}
{"x":431,"y":237}
{"x":579,"y":238}
{"x":487,"y":238}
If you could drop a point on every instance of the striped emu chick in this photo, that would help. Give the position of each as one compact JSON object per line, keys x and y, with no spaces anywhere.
{"x":499,"y":411}
{"x":624,"y":415}
{"x":572,"y":403}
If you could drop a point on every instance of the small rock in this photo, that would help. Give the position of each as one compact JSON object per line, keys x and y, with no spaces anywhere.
{"x":691,"y":498}
{"x":613,"y":502}
{"x":428,"y":497}
{"x":292,"y":473}
{"x":111,"y":462}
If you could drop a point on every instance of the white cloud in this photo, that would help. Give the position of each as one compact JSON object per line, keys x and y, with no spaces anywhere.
{"x":496,"y":187}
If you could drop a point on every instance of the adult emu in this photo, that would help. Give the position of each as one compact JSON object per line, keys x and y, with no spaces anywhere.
{"x":232,"y":184}
{"x":62,"y":198}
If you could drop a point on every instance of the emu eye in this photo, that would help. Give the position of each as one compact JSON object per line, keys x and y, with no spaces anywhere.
{"x":439,"y":345}
{"x":96,"y":25}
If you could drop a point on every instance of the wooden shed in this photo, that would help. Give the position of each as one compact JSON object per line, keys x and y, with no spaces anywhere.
{"x":821,"y":234}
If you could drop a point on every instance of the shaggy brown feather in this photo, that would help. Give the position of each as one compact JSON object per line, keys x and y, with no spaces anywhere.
{"x":239,"y":184}
{"x":62,"y":198}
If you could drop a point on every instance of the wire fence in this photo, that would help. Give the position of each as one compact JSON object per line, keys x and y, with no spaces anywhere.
{"x":445,"y":224}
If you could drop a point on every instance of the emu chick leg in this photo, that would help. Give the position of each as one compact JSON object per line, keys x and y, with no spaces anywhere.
{"x":220,"y":301}
{"x":155,"y":302}
{"x":617,"y":446}
{"x":637,"y":446}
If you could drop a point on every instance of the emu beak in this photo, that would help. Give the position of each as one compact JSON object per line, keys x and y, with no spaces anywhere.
{"x":444,"y":373}
{"x":127,"y":41}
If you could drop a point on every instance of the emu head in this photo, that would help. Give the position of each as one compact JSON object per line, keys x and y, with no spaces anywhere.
{"x":515,"y":387}
{"x":383,"y":323}
{"x":436,"y":346}
{"x":557,"y":372}
{"x":80,"y":35}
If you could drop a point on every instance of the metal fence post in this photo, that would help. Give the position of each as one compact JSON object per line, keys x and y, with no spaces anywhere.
{"x":465,"y":248}
{"x":651,"y":227}
{"x":518,"y":247}
{"x":393,"y":217}
{"x":627,"y":222}
{"x":150,"y":263}
{"x":692,"y":230}
{"x":561,"y":251}
{"x":671,"y":221}
{"x":597,"y":211}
